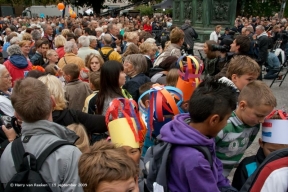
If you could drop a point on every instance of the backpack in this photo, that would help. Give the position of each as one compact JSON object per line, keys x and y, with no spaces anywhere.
{"x":274,"y":161}
{"x":105,"y":56}
{"x":156,"y":164}
{"x":28,"y":177}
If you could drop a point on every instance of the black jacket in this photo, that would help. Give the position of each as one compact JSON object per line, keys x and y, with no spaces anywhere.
{"x":190,"y":35}
{"x":246,"y":168}
{"x":92,"y":123}
{"x":263,"y":44}
{"x":132,"y":84}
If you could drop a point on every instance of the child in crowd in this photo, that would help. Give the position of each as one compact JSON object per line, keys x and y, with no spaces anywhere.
{"x":255,"y":102}
{"x":83,"y":142}
{"x":268,"y":144}
{"x":241,"y":70}
{"x":76,"y":91}
{"x":209,"y":109}
{"x":107,"y":168}
{"x":94,"y":83}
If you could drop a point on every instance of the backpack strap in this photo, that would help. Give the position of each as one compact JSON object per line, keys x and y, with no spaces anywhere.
{"x":108,"y":54}
{"x":18,"y":152}
{"x":101,"y":53}
{"x":65,"y":60}
{"x":205,"y":151}
{"x":53,"y":147}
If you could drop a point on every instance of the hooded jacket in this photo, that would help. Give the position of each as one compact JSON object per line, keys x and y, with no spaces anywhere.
{"x":188,"y":168}
{"x":190,"y":35}
{"x":17,"y":65}
{"x":61,"y":167}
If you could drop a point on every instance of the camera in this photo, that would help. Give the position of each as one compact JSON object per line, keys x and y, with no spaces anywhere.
{"x":221,"y":48}
{"x":11,"y":122}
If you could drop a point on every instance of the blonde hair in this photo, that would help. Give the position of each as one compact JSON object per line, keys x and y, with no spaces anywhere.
{"x":105,"y":162}
{"x":257,"y":93}
{"x":60,"y":41}
{"x":56,"y":89}
{"x":24,"y":42}
{"x":27,"y":36}
{"x":83,"y":142}
{"x":89,"y":57}
{"x":49,"y":52}
{"x":64,"y":32}
{"x":172,"y":77}
{"x":146,"y":47}
{"x":130,"y":36}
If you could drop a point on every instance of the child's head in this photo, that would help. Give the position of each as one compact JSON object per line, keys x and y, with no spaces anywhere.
{"x":143,"y":88}
{"x":52,"y":56}
{"x":83,"y":142}
{"x":172,"y":77}
{"x":71,"y":72}
{"x":94,"y":80}
{"x":212,"y":103}
{"x":272,"y":131}
{"x":255,"y":102}
{"x":50,"y":69}
{"x":242,"y":70}
{"x":107,"y":167}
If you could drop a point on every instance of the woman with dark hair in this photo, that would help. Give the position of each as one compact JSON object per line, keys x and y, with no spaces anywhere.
{"x":112,"y":78}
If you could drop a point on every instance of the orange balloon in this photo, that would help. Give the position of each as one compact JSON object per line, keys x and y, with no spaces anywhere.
{"x":60,"y":6}
{"x":73,"y":15}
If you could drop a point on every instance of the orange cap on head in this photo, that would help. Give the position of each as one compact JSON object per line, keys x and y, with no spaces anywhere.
{"x":190,"y":75}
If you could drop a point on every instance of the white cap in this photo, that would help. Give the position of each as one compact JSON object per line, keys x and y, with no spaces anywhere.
{"x":275,"y":131}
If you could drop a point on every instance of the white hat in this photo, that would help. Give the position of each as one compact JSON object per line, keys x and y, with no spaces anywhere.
{"x":275,"y":131}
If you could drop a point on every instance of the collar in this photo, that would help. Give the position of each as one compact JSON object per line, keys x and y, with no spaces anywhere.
{"x":148,"y":56}
{"x":70,"y":54}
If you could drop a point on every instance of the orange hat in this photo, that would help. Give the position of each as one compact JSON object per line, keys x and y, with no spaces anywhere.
{"x":190,"y":74}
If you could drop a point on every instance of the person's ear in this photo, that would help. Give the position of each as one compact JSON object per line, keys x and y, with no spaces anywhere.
{"x":53,"y":101}
{"x":214,"y":120}
{"x":17,"y":116}
{"x":147,"y":103}
{"x":234,"y":78}
{"x":242,"y":105}
{"x":261,"y":143}
{"x":185,"y":106}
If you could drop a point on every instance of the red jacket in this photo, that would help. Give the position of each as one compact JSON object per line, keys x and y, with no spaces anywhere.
{"x":147,"y":28}
{"x":15,"y":72}
{"x":61,"y":52}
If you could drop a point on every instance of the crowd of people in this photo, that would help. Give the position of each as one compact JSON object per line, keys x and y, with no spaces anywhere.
{"x":106,"y":104}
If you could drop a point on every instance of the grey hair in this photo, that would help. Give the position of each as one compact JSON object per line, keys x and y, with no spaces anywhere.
{"x":84,"y":41}
{"x":14,"y":40}
{"x":99,"y":29}
{"x":188,"y":21}
{"x":2,"y":67}
{"x":68,"y":47}
{"x":138,"y":61}
{"x":107,"y":39}
{"x":36,"y":35}
{"x":92,"y":38}
{"x":260,"y":27}
{"x":77,"y":30}
{"x":14,"y":50}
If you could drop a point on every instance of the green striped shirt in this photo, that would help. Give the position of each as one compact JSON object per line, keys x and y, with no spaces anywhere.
{"x":232,"y":141}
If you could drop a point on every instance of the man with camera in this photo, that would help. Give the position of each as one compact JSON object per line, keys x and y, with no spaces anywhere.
{"x":239,"y":46}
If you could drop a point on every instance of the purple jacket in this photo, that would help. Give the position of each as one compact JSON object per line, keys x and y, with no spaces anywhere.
{"x":189,"y":170}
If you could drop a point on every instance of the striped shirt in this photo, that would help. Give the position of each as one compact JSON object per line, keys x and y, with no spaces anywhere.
{"x":232,"y":141}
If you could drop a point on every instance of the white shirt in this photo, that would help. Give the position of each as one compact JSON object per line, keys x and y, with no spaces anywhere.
{"x":214,"y":36}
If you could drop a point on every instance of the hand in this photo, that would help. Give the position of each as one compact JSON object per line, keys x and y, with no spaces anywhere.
{"x":10,"y":133}
{"x":60,"y":72}
{"x":254,"y":36}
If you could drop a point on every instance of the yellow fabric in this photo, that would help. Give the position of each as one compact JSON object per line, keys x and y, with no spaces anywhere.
{"x":87,"y":100}
{"x":71,"y":58}
{"x":121,"y":133}
{"x":113,"y":56}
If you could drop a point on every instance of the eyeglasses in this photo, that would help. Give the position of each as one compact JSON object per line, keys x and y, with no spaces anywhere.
{"x":7,"y":76}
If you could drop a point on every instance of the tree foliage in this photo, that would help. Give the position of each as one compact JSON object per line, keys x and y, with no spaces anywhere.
{"x":258,"y":7}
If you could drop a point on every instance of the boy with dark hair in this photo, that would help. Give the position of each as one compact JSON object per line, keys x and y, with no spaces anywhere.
{"x":255,"y":102}
{"x":42,"y":47}
{"x":94,"y":83}
{"x":76,"y":91}
{"x":209,"y":109}
{"x":107,"y":168}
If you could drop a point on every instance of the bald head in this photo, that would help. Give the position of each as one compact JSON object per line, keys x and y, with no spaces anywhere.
{"x":107,"y":39}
